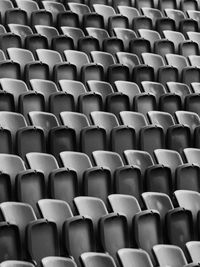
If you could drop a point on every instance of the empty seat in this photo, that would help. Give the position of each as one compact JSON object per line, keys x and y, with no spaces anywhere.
{"x":9,"y":263}
{"x":54,"y":8}
{"x":61,"y":43}
{"x":30,"y":187}
{"x":97,"y":183}
{"x":38,"y":232}
{"x":163,"y":47}
{"x":188,"y":48}
{"x":178,"y":138}
{"x":9,"y":40}
{"x":19,"y":214}
{"x":129,"y":12}
{"x":193,"y":248}
{"x":164,"y":119}
{"x":158,"y":201}
{"x":88,"y":44}
{"x":21,"y":56}
{"x":76,"y":161}
{"x":139,"y":45}
{"x":138,"y":256}
{"x":59,"y":261}
{"x":100,"y":87}
{"x":63,"y":185}
{"x":187,"y":177}
{"x":149,"y":133}
{"x":168,"y":158}
{"x":151,"y":36}
{"x":91,"y":207}
{"x":169,"y":255}
{"x":125,"y":204}
{"x":48,"y":31}
{"x":49,"y":57}
{"x":157,"y":89}
{"x":114,"y":227}
{"x":42,"y":162}
{"x":175,"y":37}
{"x":179,"y":223}
{"x":190,"y":119}
{"x":127,"y":181}
{"x":10,"y":242}
{"x":99,"y":259}
{"x":57,"y":211}
{"x":107,"y":159}
{"x":105,"y":120}
{"x":99,"y":34}
{"x":44,"y":120}
{"x":105,"y":11}
{"x":77,"y":58}
{"x":72,"y":229}
{"x":74,"y":33}
{"x":141,"y":159}
{"x":126,"y":35}
{"x":142,"y":22}
{"x":179,"y":89}
{"x":147,"y":223}
{"x":21,"y":30}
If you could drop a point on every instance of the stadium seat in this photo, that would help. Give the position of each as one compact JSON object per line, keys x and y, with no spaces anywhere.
{"x":99,"y":259}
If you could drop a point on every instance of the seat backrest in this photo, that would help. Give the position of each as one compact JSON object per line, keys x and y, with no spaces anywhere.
{"x":58,"y":261}
{"x":90,"y":259}
{"x":107,"y":159}
{"x":141,"y":159}
{"x":138,"y":256}
{"x":169,"y":255}
{"x":42,"y":162}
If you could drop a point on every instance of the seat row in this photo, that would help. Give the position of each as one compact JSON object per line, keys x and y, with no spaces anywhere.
{"x":128,"y":228}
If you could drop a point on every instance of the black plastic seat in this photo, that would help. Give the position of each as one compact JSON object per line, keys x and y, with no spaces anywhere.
{"x":30,"y":139}
{"x":149,"y":133}
{"x":93,"y":20}
{"x":158,"y":178}
{"x":180,"y":228}
{"x":38,"y":232}
{"x":30,"y":187}
{"x":148,"y":224}
{"x":10,"y":69}
{"x":178,"y":138}
{"x":67,"y":19}
{"x":61,"y":139}
{"x":188,"y":48}
{"x":163,"y":47}
{"x":63,"y":185}
{"x":187,"y":177}
{"x":10,"y":242}
{"x":87,"y":44}
{"x":142,"y":22}
{"x":9,"y":263}
{"x":97,"y":183}
{"x":90,"y":102}
{"x":139,"y":45}
{"x":61,"y":43}
{"x":73,"y":245}
{"x":117,"y":102}
{"x":143,"y":73}
{"x":128,"y":181}
{"x":92,"y":138}
{"x":170,"y":103}
{"x":115,"y":227}
{"x":144,"y":103}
